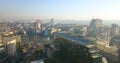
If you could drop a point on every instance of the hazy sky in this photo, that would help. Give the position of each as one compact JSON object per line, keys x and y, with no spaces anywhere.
{"x":61,"y":9}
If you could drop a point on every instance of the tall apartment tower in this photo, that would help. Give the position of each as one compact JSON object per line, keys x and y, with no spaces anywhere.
{"x":10,"y":42}
{"x":114,"y":30}
{"x":51,"y":22}
{"x":1,"y":45}
{"x":38,"y":26}
{"x":9,"y":45}
{"x":94,"y":26}
{"x":119,"y":55}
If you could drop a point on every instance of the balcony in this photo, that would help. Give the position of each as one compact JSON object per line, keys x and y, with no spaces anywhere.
{"x":1,"y":44}
{"x":91,"y":46}
{"x":1,"y":49}
{"x":96,"y":55}
{"x":93,"y":50}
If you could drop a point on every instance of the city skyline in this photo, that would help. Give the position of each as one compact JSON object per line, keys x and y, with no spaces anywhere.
{"x":62,"y":9}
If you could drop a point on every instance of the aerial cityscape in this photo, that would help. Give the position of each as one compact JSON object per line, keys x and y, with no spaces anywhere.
{"x":59,"y":31}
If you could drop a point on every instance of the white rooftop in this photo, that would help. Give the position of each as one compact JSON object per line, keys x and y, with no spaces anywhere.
{"x":38,"y":61}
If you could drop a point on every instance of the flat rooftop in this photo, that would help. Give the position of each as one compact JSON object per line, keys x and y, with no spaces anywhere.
{"x":81,"y":41}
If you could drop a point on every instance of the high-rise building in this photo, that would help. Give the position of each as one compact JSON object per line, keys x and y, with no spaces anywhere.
{"x":114,"y":30}
{"x":95,"y":26}
{"x":9,"y":45}
{"x":96,"y":23}
{"x":119,"y":55}
{"x":2,"y":50}
{"x":2,"y":55}
{"x":38,"y":26}
{"x":51,"y":22}
{"x":1,"y":45}
{"x":75,"y":50}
